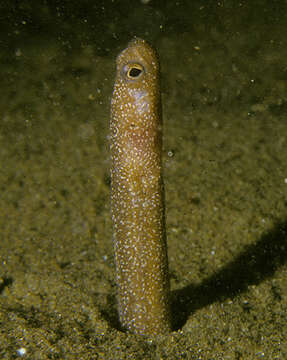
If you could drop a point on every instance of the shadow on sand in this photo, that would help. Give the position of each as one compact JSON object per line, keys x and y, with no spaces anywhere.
{"x":254,"y":264}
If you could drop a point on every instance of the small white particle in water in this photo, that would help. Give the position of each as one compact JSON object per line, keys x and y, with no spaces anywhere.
{"x":18,"y":52}
{"x":285,"y":180}
{"x":260,"y":354}
{"x":22,"y":351}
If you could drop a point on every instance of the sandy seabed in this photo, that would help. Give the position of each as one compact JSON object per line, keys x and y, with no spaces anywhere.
{"x":224,"y":94}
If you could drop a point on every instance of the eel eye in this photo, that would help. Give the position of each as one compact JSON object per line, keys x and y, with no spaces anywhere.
{"x":133,"y":71}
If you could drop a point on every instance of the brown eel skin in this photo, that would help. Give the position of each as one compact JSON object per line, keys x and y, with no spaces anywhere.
{"x":137,"y":194}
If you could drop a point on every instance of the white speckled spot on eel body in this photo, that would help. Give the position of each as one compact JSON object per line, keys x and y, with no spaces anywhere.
{"x":137,"y":199}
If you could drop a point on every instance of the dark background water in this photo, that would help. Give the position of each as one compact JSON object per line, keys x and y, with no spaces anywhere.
{"x":224,"y":96}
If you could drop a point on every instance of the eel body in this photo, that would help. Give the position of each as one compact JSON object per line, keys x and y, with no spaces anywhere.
{"x":137,"y":194}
